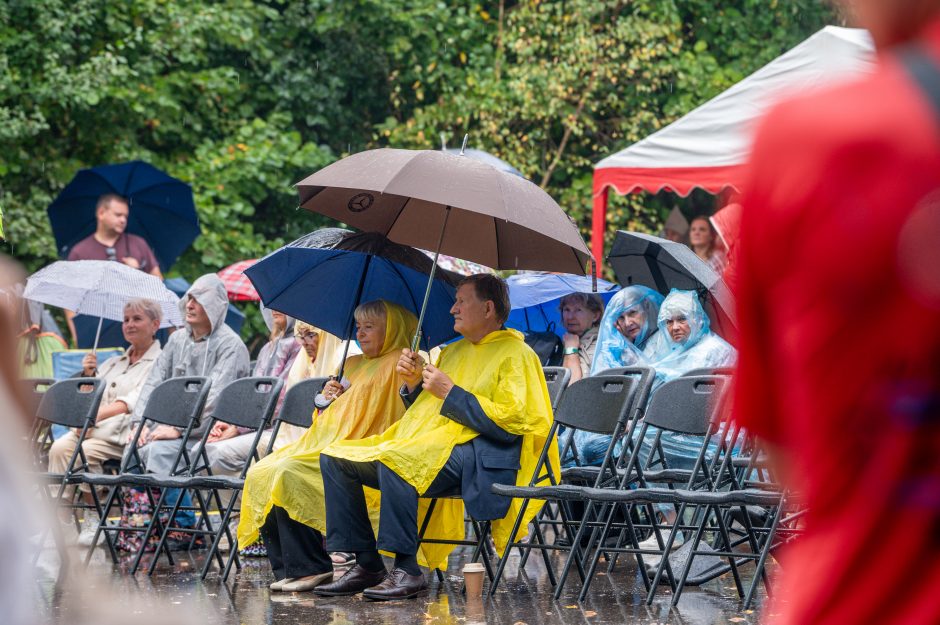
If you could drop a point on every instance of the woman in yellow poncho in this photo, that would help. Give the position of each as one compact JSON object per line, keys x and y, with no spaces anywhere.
{"x":283,"y":496}
{"x":481,"y":416}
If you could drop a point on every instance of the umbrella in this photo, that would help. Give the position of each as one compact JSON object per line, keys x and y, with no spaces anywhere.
{"x":663,"y":265}
{"x":450,"y":204}
{"x":161,"y":208}
{"x":347,"y":269}
{"x":457,"y":265}
{"x":489,"y":159}
{"x":100,"y":288}
{"x":534,"y":298}
{"x":234,"y":318}
{"x":237,"y":284}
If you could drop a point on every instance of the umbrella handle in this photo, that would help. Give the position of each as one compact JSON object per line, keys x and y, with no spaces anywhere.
{"x":94,"y":350}
{"x":415,"y":342}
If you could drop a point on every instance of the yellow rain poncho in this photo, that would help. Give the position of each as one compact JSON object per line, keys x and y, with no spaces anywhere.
{"x":505,"y":376}
{"x":290,"y":477}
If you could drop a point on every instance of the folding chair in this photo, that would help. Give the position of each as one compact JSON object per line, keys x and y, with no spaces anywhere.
{"x":33,"y":390}
{"x":298,"y":407}
{"x":246,"y":403}
{"x":557,"y":380}
{"x":177,"y":402}
{"x":601,"y":404}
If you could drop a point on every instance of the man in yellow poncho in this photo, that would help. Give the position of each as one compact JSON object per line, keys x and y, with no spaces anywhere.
{"x":480,"y":417}
{"x":283,"y":496}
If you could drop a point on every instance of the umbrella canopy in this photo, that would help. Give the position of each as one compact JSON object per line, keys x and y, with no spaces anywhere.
{"x":707,"y":148}
{"x":664,"y":265}
{"x":534,"y":298}
{"x":237,"y":284}
{"x":161,"y":208}
{"x":100,"y":288}
{"x":457,"y":265}
{"x":491,"y":217}
{"x":489,"y":159}
{"x":322,"y":277}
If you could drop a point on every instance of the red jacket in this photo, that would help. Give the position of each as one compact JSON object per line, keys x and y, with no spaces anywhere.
{"x":839,"y":308}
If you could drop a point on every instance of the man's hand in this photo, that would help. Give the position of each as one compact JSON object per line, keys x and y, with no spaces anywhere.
{"x":130,"y":262}
{"x":409,"y":368}
{"x":571,"y":340}
{"x":221,"y":431}
{"x":436,"y":381}
{"x":89,"y":365}
{"x":164,"y":433}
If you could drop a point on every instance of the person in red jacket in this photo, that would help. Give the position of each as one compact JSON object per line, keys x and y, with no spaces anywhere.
{"x":839,"y":309}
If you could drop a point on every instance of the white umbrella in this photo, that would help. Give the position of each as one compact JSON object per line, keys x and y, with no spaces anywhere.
{"x":100,"y":288}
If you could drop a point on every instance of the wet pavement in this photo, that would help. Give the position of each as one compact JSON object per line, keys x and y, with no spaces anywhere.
{"x":104,"y":593}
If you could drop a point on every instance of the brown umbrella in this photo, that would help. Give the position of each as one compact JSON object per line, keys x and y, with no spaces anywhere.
{"x":451,"y":204}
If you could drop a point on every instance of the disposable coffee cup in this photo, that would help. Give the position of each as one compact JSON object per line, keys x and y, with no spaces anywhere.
{"x":473,"y":578}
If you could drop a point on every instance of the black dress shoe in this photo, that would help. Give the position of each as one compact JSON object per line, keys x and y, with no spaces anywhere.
{"x":354,"y":581}
{"x":398,"y":585}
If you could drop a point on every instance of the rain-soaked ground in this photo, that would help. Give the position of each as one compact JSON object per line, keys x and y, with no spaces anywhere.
{"x":104,"y":593}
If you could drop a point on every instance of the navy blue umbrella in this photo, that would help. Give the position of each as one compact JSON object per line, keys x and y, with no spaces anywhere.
{"x":161,"y":208}
{"x":323,"y":285}
{"x":534,"y":298}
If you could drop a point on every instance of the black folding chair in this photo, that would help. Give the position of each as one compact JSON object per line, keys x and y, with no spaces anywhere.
{"x":298,"y":407}
{"x":600,"y":404}
{"x":557,"y":380}
{"x":177,"y":402}
{"x":246,"y":403}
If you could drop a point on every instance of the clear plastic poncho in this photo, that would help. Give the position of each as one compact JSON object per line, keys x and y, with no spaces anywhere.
{"x":613,"y":348}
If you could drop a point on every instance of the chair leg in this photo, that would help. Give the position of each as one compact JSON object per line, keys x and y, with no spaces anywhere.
{"x":217,"y":538}
{"x":509,"y":545}
{"x":762,"y":561}
{"x":154,"y":522}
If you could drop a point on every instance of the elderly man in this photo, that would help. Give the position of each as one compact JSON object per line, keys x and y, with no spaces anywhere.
{"x":477,"y":418}
{"x":205,"y":347}
{"x":109,"y":241}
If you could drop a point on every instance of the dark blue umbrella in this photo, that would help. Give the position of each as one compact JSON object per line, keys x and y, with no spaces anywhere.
{"x":534,"y":298}
{"x":323,"y":285}
{"x":161,"y":208}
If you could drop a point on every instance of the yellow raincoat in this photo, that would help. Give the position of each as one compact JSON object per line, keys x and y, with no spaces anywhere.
{"x":506,"y":377}
{"x":290,"y":477}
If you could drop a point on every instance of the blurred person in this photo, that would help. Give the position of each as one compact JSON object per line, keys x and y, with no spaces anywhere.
{"x":676,"y":227}
{"x":124,"y":377}
{"x":480,"y":416}
{"x":839,"y":236}
{"x":704,"y":242}
{"x":283,"y":499}
{"x":628,"y":336}
{"x":109,"y":241}
{"x":727,"y":223}
{"x":580,"y":314}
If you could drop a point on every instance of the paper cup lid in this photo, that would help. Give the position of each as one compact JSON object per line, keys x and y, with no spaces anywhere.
{"x":473,"y":567}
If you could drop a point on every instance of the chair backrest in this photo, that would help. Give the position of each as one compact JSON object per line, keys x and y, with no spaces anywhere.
{"x":33,"y":390}
{"x":298,"y":405}
{"x":557,"y":379}
{"x":72,"y":402}
{"x":725,"y":371}
{"x":597,"y":404}
{"x":248,"y":402}
{"x":687,"y":405}
{"x":178,"y":401}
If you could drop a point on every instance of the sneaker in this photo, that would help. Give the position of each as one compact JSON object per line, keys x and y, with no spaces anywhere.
{"x":87,"y":535}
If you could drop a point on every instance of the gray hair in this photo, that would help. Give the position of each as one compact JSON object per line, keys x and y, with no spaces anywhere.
{"x":146,"y":306}
{"x":374,"y":311}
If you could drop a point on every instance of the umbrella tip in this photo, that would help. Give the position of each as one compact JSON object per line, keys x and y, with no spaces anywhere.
{"x":443,"y":142}
{"x":463,"y":147}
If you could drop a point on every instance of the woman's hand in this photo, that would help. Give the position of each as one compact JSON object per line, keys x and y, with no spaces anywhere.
{"x":409,"y":368}
{"x":332,"y":390}
{"x":89,"y":365}
{"x":164,"y":433}
{"x":571,"y":340}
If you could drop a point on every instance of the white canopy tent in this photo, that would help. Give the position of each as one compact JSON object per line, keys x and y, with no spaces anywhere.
{"x":708,"y":147}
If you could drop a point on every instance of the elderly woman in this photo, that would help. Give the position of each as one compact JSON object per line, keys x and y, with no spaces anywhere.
{"x":125,"y":376}
{"x":580,"y":314}
{"x":283,"y":497}
{"x":628,"y":336}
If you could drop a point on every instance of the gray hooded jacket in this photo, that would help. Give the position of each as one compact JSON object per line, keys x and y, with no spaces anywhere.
{"x":221,"y":355}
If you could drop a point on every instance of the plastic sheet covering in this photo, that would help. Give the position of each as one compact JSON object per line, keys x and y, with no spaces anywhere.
{"x":702,"y":348}
{"x":613,"y":348}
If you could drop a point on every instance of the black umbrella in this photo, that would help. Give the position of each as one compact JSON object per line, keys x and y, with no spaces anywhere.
{"x":664,"y":265}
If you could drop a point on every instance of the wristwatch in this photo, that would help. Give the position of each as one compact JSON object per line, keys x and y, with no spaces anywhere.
{"x":569,"y":351}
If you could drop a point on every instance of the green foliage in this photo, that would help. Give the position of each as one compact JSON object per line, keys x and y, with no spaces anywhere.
{"x":242,"y":98}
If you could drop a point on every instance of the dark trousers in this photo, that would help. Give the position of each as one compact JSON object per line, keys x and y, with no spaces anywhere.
{"x":294,"y":549}
{"x":347,"y":518}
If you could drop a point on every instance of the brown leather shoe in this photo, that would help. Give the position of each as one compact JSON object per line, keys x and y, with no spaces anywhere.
{"x":354,"y":581}
{"x":397,"y":585}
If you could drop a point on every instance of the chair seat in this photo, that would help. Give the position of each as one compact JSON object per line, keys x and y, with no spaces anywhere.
{"x":567,"y":492}
{"x":163,"y":481}
{"x":696,"y":497}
